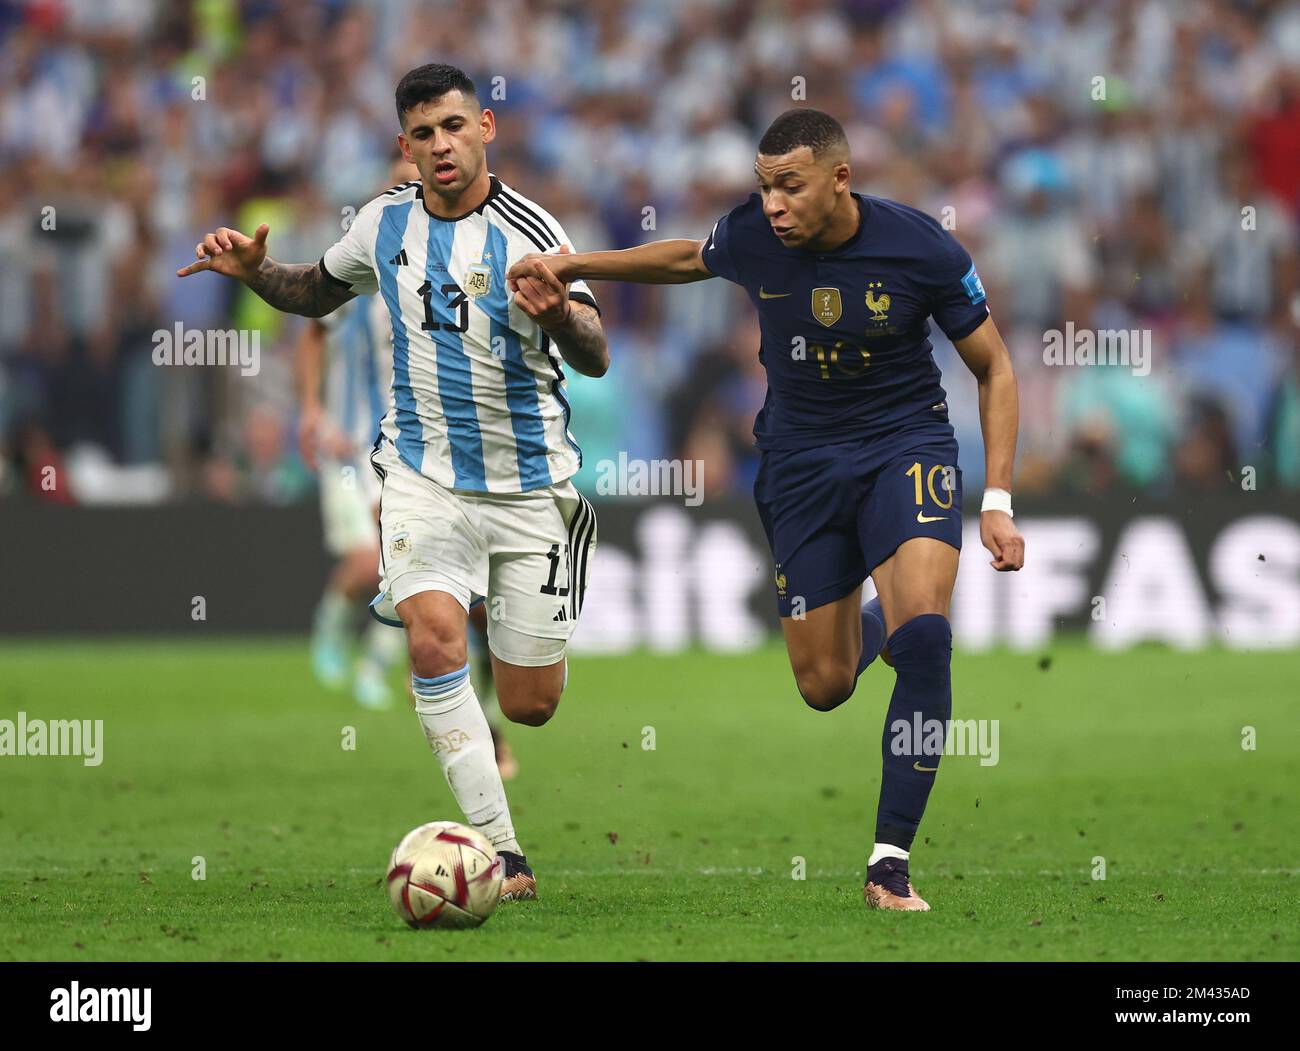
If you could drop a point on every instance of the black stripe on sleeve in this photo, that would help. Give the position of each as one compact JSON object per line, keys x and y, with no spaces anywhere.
{"x":336,"y":280}
{"x":583,"y":297}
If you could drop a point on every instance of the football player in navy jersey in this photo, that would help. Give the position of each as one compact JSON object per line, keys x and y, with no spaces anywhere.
{"x":858,"y":474}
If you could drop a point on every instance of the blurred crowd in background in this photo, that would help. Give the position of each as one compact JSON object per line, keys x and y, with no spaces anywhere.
{"x":1164,"y":196}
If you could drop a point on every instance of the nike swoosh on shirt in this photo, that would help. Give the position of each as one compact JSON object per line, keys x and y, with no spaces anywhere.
{"x":930,"y":518}
{"x":772,"y":295}
{"x":924,"y":769}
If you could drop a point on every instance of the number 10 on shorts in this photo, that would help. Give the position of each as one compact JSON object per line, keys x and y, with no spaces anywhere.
{"x":947,"y":483}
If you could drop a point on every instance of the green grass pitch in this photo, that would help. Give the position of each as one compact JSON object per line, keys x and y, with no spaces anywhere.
{"x":228,"y":751}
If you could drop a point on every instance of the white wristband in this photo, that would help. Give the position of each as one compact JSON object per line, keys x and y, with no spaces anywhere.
{"x":997,"y":500}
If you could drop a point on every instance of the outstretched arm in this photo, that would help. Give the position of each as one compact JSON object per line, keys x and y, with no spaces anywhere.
{"x":575,"y":327}
{"x":986,"y":356}
{"x":674,"y":262}
{"x":296,"y":288}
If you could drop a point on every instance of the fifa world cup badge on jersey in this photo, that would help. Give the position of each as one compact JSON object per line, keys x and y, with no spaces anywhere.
{"x":478,"y":280}
{"x":826,"y":305}
{"x":877,"y":302}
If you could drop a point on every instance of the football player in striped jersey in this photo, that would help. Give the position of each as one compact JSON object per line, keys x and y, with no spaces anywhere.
{"x":474,"y":455}
{"x":343,"y":364}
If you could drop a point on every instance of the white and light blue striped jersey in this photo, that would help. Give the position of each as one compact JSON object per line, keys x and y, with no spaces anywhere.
{"x":359,"y":369}
{"x":478,"y":398}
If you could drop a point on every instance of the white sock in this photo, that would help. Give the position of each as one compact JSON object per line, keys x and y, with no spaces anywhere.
{"x":458,"y":733}
{"x":382,"y":646}
{"x":886,"y":850}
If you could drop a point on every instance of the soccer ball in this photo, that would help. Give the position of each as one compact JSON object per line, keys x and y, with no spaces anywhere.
{"x":444,"y":875}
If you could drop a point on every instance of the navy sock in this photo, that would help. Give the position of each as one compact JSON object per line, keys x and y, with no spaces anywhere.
{"x":915,"y":726}
{"x":873,"y":633}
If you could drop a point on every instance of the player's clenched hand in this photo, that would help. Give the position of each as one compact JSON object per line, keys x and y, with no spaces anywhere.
{"x":229,"y":252}
{"x":523,"y":266}
{"x":553,"y":262}
{"x":540,"y":293}
{"x":1000,"y":535}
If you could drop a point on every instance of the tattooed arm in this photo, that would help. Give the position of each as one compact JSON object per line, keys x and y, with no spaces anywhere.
{"x":296,"y":288}
{"x":574,"y":326}
{"x":580,"y":340}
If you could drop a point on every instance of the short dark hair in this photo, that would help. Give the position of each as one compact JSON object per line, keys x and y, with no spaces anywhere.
{"x":803,"y":127}
{"x":432,"y":81}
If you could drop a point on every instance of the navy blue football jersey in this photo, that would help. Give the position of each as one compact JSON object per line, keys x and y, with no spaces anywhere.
{"x":845,"y":333}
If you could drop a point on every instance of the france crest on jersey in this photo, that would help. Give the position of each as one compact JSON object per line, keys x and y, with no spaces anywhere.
{"x":477,"y":391}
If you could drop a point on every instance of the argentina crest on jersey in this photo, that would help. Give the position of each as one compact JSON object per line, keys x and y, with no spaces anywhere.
{"x":478,"y":280}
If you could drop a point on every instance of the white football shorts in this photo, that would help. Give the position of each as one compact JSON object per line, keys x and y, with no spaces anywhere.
{"x":527,"y":555}
{"x":349,"y":493}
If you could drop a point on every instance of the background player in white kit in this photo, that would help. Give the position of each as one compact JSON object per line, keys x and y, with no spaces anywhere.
{"x":474,"y":455}
{"x":343,"y":363}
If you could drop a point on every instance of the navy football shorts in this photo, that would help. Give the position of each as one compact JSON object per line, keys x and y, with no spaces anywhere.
{"x":834,"y":513}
